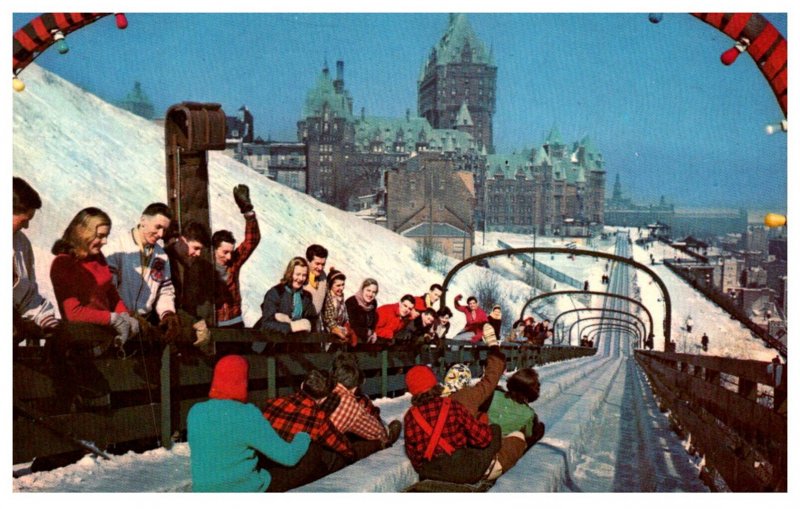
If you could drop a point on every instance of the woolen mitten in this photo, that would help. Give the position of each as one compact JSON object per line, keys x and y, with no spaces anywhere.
{"x":201,"y":333}
{"x":283,"y":318}
{"x":50,"y":323}
{"x":456,"y":378}
{"x":203,"y":340}
{"x":301,"y":325}
{"x":170,"y":326}
{"x":489,"y":336}
{"x":122,"y":326}
{"x":134,"y":324}
{"x":241,"y":194}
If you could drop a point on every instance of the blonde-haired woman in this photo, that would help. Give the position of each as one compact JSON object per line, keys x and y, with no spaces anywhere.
{"x":361,"y":311}
{"x":287,"y":307}
{"x":82,"y":280}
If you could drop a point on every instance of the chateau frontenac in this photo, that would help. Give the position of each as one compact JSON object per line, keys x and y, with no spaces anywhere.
{"x":436,"y":167}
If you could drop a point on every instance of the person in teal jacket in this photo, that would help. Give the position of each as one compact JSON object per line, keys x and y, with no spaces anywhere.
{"x":511,"y":409}
{"x":225,"y":434}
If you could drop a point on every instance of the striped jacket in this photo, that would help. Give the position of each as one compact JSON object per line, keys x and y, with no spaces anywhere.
{"x":28,"y":302}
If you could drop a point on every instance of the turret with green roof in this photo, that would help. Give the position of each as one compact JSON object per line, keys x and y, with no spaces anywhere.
{"x":459,"y":42}
{"x":324,"y":92}
{"x":468,"y":102}
{"x":138,"y":103}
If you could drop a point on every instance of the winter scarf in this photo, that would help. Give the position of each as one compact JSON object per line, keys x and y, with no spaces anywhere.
{"x":367,"y":306}
{"x":340,"y":310}
{"x":297,"y":303}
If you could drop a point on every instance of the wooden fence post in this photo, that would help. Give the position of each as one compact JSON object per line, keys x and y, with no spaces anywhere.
{"x":272,"y":382}
{"x":384,"y":373}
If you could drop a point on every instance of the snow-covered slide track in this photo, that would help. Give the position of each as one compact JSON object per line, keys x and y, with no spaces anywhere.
{"x":615,"y":439}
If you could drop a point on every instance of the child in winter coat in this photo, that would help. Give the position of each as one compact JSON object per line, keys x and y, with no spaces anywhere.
{"x":353,"y":416}
{"x":226,"y":432}
{"x":301,"y":412}
{"x":491,"y":329}
{"x":511,"y":409}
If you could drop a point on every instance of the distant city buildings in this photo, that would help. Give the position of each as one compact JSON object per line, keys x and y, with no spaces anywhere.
{"x":682,"y":222}
{"x":621,"y":211}
{"x":746,"y":271}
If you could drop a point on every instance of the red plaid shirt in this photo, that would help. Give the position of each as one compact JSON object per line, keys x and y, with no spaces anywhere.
{"x":351,"y":417}
{"x":291,"y":414}
{"x":369,"y":406}
{"x":460,"y":430}
{"x":228,"y":300}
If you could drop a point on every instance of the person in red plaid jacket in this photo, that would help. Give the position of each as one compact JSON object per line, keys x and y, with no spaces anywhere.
{"x":229,"y":261}
{"x":442,"y":439}
{"x":330,"y":450}
{"x":354,"y":416}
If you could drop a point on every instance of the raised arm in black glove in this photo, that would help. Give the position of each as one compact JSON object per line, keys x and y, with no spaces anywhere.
{"x":241,"y":194}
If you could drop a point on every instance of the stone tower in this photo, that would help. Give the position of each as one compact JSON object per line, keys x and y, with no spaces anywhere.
{"x":456,"y":89}
{"x":327,"y":130}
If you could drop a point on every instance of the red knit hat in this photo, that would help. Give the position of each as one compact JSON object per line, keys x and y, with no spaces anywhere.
{"x":420,"y":379}
{"x":230,"y":379}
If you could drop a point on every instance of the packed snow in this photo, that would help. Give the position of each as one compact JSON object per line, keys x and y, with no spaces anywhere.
{"x":77,"y":150}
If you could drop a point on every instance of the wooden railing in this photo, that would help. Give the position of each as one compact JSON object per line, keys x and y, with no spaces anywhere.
{"x":735,"y":411}
{"x":152,"y":391}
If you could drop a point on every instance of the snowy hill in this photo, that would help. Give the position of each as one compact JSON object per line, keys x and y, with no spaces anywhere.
{"x":78,"y":150}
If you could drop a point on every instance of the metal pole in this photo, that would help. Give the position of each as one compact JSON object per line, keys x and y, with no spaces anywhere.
{"x":430,"y":207}
{"x":166,"y":400}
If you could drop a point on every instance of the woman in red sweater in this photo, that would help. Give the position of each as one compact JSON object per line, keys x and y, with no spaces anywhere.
{"x":82,"y":280}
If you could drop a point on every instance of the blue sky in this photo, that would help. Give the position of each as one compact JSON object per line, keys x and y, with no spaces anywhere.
{"x":668,"y":117}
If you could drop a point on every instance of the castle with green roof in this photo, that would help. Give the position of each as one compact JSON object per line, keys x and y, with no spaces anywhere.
{"x":554,"y":187}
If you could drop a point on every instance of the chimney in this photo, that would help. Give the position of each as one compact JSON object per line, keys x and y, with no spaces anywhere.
{"x":338,"y":83}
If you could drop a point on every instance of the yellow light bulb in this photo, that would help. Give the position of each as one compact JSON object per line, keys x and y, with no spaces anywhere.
{"x":774,"y":220}
{"x":18,"y":85}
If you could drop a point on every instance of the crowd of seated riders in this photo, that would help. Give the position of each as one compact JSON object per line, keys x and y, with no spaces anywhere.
{"x":148,"y":285}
